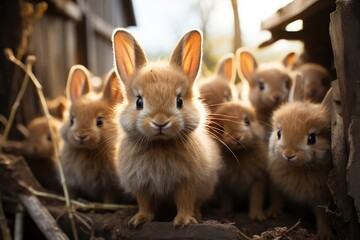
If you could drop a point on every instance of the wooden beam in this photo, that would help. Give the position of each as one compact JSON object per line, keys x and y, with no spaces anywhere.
{"x":298,"y":9}
{"x":69,"y":8}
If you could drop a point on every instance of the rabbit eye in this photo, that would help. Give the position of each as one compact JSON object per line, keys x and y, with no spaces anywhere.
{"x":279,"y":134}
{"x":228,"y":98}
{"x":261,"y":85}
{"x":99,"y":122}
{"x":72,"y":119}
{"x":311,"y":139}
{"x":247,"y":121}
{"x":179,"y":102}
{"x":139,"y":103}
{"x":48,"y":137}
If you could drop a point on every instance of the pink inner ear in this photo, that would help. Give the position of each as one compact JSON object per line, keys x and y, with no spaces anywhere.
{"x":191,"y":56}
{"x":248,"y":64}
{"x":78,"y":84}
{"x":228,"y":69}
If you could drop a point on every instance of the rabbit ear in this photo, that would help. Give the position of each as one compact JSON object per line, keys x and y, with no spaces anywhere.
{"x":187,"y":54}
{"x":78,"y":83}
{"x":297,"y":89}
{"x":226,"y":67}
{"x":328,"y":99}
{"x":289,"y":59}
{"x":246,"y":64}
{"x":128,"y":55}
{"x":112,"y":88}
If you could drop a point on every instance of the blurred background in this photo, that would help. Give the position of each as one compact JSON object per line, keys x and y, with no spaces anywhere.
{"x":61,"y":33}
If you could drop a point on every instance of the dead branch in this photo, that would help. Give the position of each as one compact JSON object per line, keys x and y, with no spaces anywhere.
{"x":42,"y":217}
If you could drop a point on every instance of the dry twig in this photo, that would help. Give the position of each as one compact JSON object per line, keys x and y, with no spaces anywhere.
{"x":3,"y":222}
{"x":27,"y":69}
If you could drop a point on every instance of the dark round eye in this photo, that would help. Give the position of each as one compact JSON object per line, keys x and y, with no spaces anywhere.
{"x":279,"y":134}
{"x":72,"y":119}
{"x":99,"y":122}
{"x":311,"y":139}
{"x":48,"y":137}
{"x":261,"y":85}
{"x":139,"y":103}
{"x":179,"y":102}
{"x":247,"y":121}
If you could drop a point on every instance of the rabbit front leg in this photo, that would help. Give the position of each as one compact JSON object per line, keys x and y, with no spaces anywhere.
{"x":276,"y":202}
{"x":185,"y":198}
{"x":256,"y":201}
{"x":145,"y":212}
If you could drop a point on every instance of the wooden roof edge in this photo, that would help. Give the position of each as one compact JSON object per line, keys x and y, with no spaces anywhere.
{"x":297,"y":9}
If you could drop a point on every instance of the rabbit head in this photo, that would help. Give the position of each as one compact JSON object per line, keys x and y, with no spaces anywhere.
{"x":91,"y":115}
{"x":39,"y":142}
{"x":269,"y":83}
{"x":237,"y":125}
{"x":162,"y":98}
{"x":301,"y":130}
{"x":317,"y":81}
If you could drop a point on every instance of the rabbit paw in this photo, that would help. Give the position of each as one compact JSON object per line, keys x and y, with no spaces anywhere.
{"x":257,"y":216}
{"x":183,"y":220}
{"x":138,"y":219}
{"x":273,"y":212}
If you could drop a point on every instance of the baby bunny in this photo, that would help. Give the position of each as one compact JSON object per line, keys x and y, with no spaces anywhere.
{"x":268,"y":84}
{"x":38,"y":150}
{"x":300,"y":156}
{"x":245,"y":156}
{"x":317,"y":81}
{"x":90,"y":136}
{"x":220,"y":87}
{"x":166,"y":153}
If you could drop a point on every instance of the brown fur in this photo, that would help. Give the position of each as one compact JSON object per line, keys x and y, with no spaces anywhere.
{"x":177,"y":162}
{"x":297,"y":168}
{"x":273,"y":76}
{"x":220,"y":87}
{"x":39,"y":152}
{"x":317,"y":81}
{"x":89,"y":164}
{"x":244,"y":154}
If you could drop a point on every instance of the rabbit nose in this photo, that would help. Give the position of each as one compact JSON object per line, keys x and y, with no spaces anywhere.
{"x":289,"y":157}
{"x":277,"y":98}
{"x":161,"y":125}
{"x":81,"y":138}
{"x":238,"y":139}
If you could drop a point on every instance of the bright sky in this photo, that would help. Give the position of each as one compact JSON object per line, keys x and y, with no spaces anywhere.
{"x":160,"y":23}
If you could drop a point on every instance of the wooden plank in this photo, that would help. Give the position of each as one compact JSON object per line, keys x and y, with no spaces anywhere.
{"x":69,"y":8}
{"x":298,"y":9}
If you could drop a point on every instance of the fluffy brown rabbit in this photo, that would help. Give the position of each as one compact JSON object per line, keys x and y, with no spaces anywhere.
{"x":317,"y":81}
{"x":268,"y":84}
{"x":38,"y":151}
{"x":90,"y":137}
{"x":300,"y":156}
{"x":166,"y":153}
{"x":220,"y":87}
{"x":245,"y":156}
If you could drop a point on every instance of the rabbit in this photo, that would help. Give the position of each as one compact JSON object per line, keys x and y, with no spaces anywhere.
{"x":266,"y":85}
{"x":38,"y":150}
{"x":165,"y":154}
{"x":317,"y":81}
{"x":300,"y":155}
{"x":245,"y":156}
{"x":220,"y":87}
{"x":90,"y":137}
